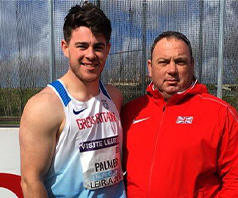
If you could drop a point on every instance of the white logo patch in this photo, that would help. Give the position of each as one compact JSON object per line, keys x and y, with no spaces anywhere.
{"x":140,"y":120}
{"x":184,"y":120}
{"x":105,"y":104}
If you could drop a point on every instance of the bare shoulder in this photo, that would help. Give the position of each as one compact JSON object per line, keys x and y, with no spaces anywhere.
{"x":116,"y":96}
{"x":45,"y":101}
{"x":44,"y":107}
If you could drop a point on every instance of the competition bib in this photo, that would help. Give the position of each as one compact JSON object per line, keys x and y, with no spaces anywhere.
{"x":101,"y":163}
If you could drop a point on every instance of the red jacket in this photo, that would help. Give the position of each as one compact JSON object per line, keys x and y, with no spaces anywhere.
{"x":185,"y":148}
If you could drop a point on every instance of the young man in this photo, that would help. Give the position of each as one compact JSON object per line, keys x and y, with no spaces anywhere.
{"x":180,"y":141}
{"x":70,"y":133}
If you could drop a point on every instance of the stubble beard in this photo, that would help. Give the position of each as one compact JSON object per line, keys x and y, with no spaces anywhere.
{"x":86,"y":78}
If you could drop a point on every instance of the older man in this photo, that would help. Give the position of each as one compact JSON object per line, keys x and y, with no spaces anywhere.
{"x":180,"y":141}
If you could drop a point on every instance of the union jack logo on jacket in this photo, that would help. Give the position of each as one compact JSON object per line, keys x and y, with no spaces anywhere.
{"x":184,"y":120}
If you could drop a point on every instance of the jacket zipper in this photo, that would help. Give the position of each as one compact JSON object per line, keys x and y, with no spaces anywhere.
{"x":155,"y":148}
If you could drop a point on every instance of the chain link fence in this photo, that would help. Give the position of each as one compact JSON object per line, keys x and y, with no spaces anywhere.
{"x":25,"y":50}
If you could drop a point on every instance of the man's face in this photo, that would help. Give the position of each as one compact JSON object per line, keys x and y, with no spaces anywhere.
{"x":87,"y":53}
{"x":171,"y":67}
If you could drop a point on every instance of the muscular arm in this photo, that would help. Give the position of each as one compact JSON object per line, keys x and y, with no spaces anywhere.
{"x":116,"y":96}
{"x":40,"y":122}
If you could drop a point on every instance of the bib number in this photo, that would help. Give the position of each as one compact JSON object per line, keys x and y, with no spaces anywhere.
{"x":101,"y":163}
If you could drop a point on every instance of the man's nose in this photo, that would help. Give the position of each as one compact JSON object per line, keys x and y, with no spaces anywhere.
{"x":90,"y":53}
{"x":172,"y":68}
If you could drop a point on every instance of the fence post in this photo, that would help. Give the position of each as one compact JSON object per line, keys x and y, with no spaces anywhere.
{"x":201,"y":10}
{"x":98,"y":3}
{"x":220,"y":49}
{"x":144,"y":62}
{"x":52,"y":72}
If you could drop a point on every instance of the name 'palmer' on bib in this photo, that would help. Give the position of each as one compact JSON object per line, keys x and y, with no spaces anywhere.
{"x":105,"y":165}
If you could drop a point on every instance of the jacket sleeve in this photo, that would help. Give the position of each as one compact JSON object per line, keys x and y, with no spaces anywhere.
{"x":228,"y":155}
{"x":125,"y":126}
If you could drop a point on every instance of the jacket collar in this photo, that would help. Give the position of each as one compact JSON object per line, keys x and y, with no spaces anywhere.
{"x":194,"y":89}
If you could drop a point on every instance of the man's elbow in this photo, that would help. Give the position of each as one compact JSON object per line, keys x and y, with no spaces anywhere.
{"x":30,"y":185}
{"x":25,"y":184}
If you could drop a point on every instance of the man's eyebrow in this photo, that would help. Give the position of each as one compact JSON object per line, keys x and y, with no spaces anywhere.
{"x":80,"y":43}
{"x":163,"y":58}
{"x":100,"y":44}
{"x":181,"y":58}
{"x":85,"y":43}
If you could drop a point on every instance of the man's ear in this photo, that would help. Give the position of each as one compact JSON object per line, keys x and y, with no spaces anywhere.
{"x":65,"y":48}
{"x":108,"y":47}
{"x":192,"y":62}
{"x":149,"y":65}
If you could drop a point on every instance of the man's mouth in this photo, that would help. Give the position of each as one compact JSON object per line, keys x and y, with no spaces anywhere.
{"x":172,"y":80}
{"x":89,"y":65}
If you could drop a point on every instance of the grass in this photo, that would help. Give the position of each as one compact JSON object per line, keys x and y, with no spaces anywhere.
{"x":13,"y":100}
{"x":232,"y":100}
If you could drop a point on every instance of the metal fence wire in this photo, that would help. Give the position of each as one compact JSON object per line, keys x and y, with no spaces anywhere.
{"x":31,"y":56}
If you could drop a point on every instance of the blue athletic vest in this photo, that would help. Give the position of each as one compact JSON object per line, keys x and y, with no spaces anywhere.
{"x":87,"y":160}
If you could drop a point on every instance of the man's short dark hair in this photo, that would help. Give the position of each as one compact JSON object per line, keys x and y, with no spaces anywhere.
{"x":87,"y":15}
{"x":172,"y":34}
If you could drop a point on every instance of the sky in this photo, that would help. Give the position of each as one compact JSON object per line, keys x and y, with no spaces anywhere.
{"x":24,"y":26}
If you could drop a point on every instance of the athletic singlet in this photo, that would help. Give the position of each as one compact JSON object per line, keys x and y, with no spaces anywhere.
{"x":87,"y":160}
